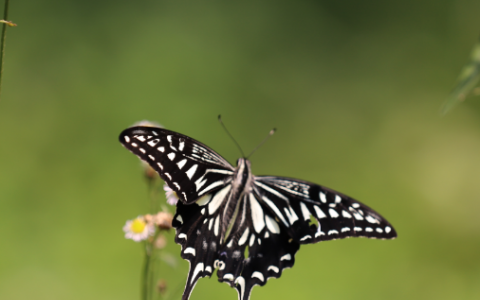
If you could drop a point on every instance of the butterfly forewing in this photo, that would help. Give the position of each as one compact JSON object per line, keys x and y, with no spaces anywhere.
{"x":312,"y":213}
{"x":190,"y":168}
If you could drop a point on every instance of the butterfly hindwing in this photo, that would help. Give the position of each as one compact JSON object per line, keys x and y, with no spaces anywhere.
{"x":198,"y":231}
{"x":312,"y":213}
{"x":190,"y":168}
{"x":256,"y":250}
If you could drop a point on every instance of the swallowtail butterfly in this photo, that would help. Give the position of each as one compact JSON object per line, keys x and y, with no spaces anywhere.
{"x":224,"y":210}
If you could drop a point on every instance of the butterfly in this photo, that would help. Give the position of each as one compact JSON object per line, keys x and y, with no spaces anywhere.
{"x":247,"y":227}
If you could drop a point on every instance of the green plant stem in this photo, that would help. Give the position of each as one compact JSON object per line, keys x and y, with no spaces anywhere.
{"x":146,"y":271}
{"x":2,"y":45}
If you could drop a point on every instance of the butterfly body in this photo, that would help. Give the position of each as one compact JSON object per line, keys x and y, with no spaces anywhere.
{"x":247,"y":227}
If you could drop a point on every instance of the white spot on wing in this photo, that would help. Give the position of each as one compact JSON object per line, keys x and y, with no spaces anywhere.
{"x":182,"y":236}
{"x":161,"y":149}
{"x":388,"y":229}
{"x":216,"y":226}
{"x":357,"y":228}
{"x":171,"y":155}
{"x":227,"y":172}
{"x":272,"y":225}
{"x":269,"y":189}
{"x":210,"y":224}
{"x":286,"y":257}
{"x":275,"y":209}
{"x":305,"y":238}
{"x":179,"y":219}
{"x":191,"y":171}
{"x":127,"y":139}
{"x":305,"y":211}
{"x":333,"y":213}
{"x":228,"y":276}
{"x":345,"y":229}
{"x":217,"y":199}
{"x":241,"y":282}
{"x":152,"y":143}
{"x":273,"y":268}
{"x":134,"y":145}
{"x":160,"y":165}
{"x":258,"y":275}
{"x":345,"y":214}
{"x":168,"y":175}
{"x":371,"y":219}
{"x":323,"y":197}
{"x":257,"y":214}
{"x":319,"y":212}
{"x":212,"y":186}
{"x":338,"y":199}
{"x":204,"y":199}
{"x":199,"y":183}
{"x":208,"y":269}
{"x":357,"y":216}
{"x":368,"y":229}
{"x":333,"y":231}
{"x":292,"y":217}
{"x":151,"y":157}
{"x":198,"y":268}
{"x":356,"y":205}
{"x":379,"y":230}
{"x":181,"y":145}
{"x":140,"y":138}
{"x":181,"y":163}
{"x":252,"y":240}
{"x":244,"y":237}
{"x":189,"y":250}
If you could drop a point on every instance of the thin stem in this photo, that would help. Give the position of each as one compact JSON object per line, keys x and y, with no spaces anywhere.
{"x":2,"y":45}
{"x":146,"y":268}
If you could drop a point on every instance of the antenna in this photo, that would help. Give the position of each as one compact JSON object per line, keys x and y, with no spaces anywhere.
{"x":223,"y":125}
{"x":263,"y":142}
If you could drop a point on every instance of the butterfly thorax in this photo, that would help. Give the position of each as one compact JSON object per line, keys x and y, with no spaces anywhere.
{"x":242,"y":182}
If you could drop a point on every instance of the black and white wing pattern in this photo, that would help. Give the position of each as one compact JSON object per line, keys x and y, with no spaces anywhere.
{"x":247,"y":227}
{"x":312,"y":213}
{"x":190,"y":168}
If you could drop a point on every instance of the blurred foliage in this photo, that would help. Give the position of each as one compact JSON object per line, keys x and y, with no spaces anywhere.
{"x":352,"y":87}
{"x":466,"y":82}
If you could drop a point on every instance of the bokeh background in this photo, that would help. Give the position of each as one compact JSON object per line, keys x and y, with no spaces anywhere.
{"x":354,"y":88}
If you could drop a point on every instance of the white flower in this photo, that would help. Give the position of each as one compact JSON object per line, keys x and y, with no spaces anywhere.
{"x":172,"y":197}
{"x":138,"y":229}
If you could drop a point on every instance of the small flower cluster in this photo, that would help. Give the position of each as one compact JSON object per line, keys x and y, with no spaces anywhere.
{"x":138,"y":229}
{"x":143,"y":227}
{"x":172,"y":197}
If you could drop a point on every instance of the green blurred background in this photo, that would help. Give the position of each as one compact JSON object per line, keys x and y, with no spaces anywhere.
{"x":354,"y":88}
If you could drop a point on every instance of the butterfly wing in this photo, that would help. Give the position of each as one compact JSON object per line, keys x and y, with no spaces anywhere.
{"x":256,"y":250}
{"x":312,"y":213}
{"x":189,"y":168}
{"x":198,"y":231}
